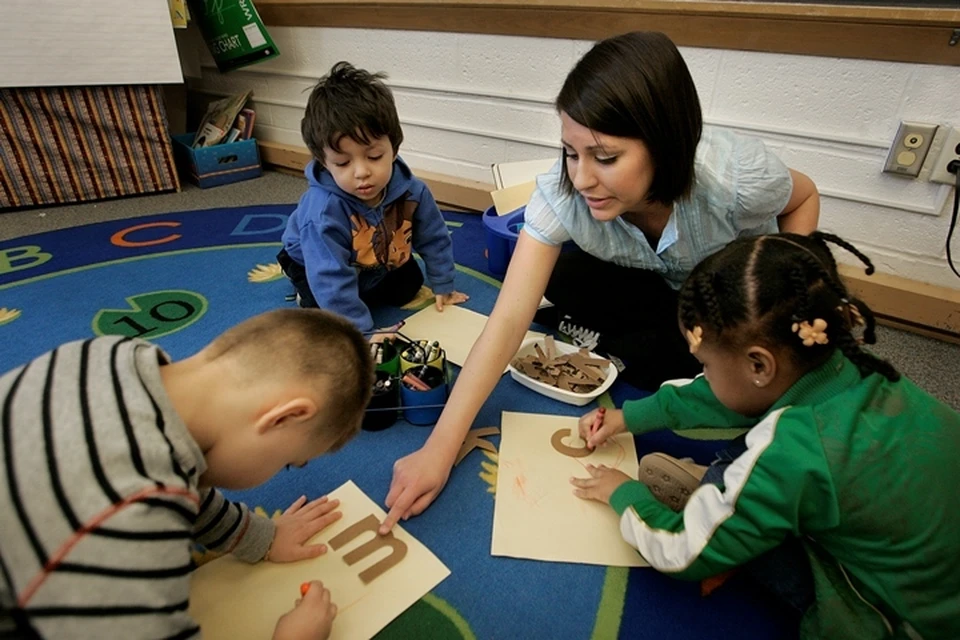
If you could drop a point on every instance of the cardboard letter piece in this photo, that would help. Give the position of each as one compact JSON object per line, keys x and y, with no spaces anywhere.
{"x":536,"y":515}
{"x":372,"y":579}
{"x":455,"y":328}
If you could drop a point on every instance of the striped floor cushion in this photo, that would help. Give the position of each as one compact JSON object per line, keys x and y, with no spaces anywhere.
{"x":74,"y":144}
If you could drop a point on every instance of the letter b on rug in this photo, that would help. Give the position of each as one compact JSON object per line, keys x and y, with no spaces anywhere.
{"x":19,"y":258}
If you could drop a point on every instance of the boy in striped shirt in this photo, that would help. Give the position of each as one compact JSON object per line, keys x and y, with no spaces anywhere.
{"x":110,"y":459}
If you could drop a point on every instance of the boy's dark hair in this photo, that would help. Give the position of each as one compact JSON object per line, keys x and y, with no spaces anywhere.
{"x":755,"y":289}
{"x":636,"y":85}
{"x":349,"y":102}
{"x":308,"y":344}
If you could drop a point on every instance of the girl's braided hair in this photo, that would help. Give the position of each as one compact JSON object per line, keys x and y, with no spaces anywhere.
{"x":758,"y":290}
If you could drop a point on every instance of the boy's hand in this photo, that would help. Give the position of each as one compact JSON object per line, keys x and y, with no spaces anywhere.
{"x":613,"y":423}
{"x":311,"y":617}
{"x":454,"y":297}
{"x":300,"y":522}
{"x":601,"y":484}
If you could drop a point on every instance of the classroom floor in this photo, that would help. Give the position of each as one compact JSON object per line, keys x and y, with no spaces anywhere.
{"x":932,"y":364}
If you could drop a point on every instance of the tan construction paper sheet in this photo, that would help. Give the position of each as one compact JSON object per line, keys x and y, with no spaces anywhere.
{"x":455,"y":328}
{"x":232,"y":599}
{"x":536,"y":515}
{"x":508,"y":174}
{"x":512,"y":198}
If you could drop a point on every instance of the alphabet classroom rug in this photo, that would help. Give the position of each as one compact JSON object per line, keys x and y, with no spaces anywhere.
{"x":180,"y":279}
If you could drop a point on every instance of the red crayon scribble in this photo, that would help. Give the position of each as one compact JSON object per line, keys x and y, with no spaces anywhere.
{"x":520,"y":482}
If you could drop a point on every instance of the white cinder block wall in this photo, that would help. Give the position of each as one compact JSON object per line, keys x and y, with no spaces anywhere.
{"x":467,"y":101}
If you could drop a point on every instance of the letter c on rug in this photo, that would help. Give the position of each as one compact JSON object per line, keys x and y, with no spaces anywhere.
{"x":370,"y":523}
{"x":573,"y":452}
{"x":120,"y":237}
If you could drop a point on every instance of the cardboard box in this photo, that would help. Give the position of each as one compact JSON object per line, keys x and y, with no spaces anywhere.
{"x":219,"y":164}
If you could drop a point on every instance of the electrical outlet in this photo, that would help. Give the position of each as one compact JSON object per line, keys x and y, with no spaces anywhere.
{"x":909,"y":148}
{"x":949,"y":153}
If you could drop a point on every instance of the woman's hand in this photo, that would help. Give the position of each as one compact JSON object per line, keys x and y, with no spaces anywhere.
{"x":417,"y":480}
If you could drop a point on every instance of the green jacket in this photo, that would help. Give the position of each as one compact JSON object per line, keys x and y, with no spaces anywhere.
{"x":866,"y":471}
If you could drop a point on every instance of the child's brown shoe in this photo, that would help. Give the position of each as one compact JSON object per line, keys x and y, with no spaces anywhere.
{"x":671,"y":480}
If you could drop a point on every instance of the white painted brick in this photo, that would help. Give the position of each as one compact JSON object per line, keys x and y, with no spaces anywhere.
{"x":269,"y":133}
{"x":703,"y":65}
{"x":290,"y":89}
{"x":495,"y":117}
{"x":828,"y":95}
{"x":509,"y":63}
{"x":859,"y":175}
{"x":466,"y":99}
{"x":932,"y":95}
{"x":445,"y":144}
{"x":446,"y":166}
{"x":912,"y":236}
{"x":282,"y":117}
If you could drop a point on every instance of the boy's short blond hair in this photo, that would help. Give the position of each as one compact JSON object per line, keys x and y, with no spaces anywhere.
{"x":307,"y":344}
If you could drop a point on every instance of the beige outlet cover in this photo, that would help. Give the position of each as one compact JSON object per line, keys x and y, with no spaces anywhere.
{"x":232,"y":599}
{"x":455,"y":328}
{"x":536,"y":515}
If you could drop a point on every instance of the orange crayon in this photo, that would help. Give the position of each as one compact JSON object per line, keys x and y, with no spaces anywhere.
{"x":304,"y":588}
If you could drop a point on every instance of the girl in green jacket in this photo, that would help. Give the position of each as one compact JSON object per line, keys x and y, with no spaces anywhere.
{"x":840,"y":496}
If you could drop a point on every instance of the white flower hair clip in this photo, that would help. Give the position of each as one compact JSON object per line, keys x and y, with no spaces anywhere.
{"x":811,"y":334}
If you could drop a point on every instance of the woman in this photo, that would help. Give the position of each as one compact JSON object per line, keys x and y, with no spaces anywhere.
{"x":645,"y":200}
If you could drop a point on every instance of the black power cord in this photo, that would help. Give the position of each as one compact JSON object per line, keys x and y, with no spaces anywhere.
{"x":954,"y":168}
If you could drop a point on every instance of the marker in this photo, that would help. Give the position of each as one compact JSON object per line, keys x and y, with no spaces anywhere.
{"x":598,"y":420}
{"x":304,"y":588}
{"x":434,"y":351}
{"x":394,"y":329}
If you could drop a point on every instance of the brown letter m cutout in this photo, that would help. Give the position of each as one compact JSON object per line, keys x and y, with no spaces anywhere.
{"x":370,"y":523}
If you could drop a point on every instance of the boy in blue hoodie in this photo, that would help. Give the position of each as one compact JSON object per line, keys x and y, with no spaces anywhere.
{"x":349,"y":244}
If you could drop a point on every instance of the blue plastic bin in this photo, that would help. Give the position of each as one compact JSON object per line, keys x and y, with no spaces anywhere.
{"x":501,"y":234}
{"x":219,"y":164}
{"x":423,"y":408}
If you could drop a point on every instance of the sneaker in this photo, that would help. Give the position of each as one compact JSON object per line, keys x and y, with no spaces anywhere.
{"x":578,"y":335}
{"x":671,"y":480}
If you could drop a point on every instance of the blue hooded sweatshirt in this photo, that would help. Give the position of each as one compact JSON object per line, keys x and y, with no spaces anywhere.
{"x":347,"y":247}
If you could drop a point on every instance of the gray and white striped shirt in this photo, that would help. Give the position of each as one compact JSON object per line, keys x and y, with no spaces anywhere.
{"x":99,"y":501}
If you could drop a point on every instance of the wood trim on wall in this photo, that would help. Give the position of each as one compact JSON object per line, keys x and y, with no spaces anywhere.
{"x":927,"y":309}
{"x":914,"y":306}
{"x":902,"y":34}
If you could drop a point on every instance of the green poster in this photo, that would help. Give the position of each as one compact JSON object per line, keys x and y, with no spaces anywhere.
{"x":234,"y":32}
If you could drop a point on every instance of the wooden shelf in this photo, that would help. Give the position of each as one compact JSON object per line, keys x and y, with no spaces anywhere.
{"x":903,"y":34}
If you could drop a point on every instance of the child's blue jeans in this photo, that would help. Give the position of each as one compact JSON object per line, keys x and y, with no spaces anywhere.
{"x":783,"y":571}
